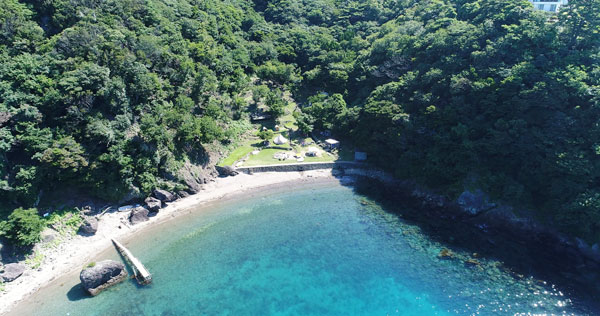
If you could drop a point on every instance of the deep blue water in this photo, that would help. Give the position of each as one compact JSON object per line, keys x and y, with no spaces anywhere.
{"x":318,"y":251}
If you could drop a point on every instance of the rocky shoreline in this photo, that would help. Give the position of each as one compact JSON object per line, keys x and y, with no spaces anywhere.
{"x":473,"y":222}
{"x":531,"y":246}
{"x":71,"y":253}
{"x":470,"y":222}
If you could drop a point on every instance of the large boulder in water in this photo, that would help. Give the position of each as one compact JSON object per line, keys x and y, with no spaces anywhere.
{"x":97,"y":277}
{"x":153,"y":204}
{"x":89,"y":226}
{"x":164,"y":195}
{"x":12,"y":271}
{"x":138,"y":215}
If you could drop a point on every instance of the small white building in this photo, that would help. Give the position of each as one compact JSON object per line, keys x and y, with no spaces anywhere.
{"x":548,"y":5}
{"x":332,"y":143}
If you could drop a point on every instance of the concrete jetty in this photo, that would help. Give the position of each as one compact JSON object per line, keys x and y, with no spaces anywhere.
{"x":142,"y":275}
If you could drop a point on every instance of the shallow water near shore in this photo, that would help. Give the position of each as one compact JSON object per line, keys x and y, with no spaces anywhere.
{"x":309,"y":251}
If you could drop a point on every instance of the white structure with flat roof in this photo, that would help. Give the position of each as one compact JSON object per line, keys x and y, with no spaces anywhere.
{"x":548,"y":5}
{"x":332,"y":143}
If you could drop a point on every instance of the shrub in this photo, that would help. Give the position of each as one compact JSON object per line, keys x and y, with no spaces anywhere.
{"x":23,"y":227}
{"x":65,"y":221}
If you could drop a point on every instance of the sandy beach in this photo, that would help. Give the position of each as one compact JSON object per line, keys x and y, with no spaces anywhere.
{"x":77,"y":251}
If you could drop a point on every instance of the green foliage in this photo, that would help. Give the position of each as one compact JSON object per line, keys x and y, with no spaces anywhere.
{"x":112,"y":97}
{"x":276,"y":104}
{"x":65,"y":155}
{"x":22,"y":33}
{"x":326,"y":112}
{"x":266,"y":134}
{"x":26,"y":184}
{"x":65,"y":221}
{"x":278,"y":72}
{"x":305,"y":122}
{"x":460,"y":94}
{"x":23,"y":227}
{"x":259,"y":92}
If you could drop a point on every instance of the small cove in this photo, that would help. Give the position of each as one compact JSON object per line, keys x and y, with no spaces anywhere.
{"x":310,"y":251}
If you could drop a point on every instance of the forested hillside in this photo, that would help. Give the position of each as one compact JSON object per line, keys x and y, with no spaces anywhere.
{"x":114,"y":97}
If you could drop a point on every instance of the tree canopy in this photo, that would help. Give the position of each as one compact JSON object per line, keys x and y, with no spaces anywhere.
{"x":115,"y":97}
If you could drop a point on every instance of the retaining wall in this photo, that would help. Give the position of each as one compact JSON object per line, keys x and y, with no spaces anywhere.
{"x":302,"y":166}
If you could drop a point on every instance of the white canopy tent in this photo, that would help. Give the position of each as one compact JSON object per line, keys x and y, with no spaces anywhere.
{"x":280,"y":140}
{"x":312,"y":151}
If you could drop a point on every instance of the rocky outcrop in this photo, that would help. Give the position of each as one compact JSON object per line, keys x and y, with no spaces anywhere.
{"x":227,"y":171}
{"x":195,"y":176}
{"x":12,"y":271}
{"x":474,"y":202}
{"x":164,"y":195}
{"x":183,"y":194}
{"x":428,"y":200}
{"x":48,"y":235}
{"x":592,"y":252}
{"x":193,"y":184}
{"x":98,"y":277}
{"x":512,"y":235}
{"x":445,"y":254}
{"x":133,"y":194}
{"x":153,"y":204}
{"x":89,"y":226}
{"x":138,"y":215}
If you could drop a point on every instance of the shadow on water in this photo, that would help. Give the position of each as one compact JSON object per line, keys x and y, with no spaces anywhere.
{"x":521,"y":256}
{"x":77,"y":293}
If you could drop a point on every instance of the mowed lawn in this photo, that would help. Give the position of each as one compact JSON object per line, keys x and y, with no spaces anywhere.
{"x":240,"y":152}
{"x":265,"y":157}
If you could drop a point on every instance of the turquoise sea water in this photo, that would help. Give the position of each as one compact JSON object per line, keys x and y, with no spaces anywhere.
{"x":311,"y":251}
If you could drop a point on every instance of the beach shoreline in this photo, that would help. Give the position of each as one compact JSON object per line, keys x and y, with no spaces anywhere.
{"x":77,"y":251}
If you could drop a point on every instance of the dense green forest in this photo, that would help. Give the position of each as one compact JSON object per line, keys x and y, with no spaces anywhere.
{"x":114,"y":97}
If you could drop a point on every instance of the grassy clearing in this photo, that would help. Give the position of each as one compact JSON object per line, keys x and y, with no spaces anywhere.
{"x":240,"y":152}
{"x":287,"y":127}
{"x":265,"y":157}
{"x":287,"y":120}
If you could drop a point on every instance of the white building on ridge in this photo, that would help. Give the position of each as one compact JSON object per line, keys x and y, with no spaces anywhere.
{"x":548,"y":5}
